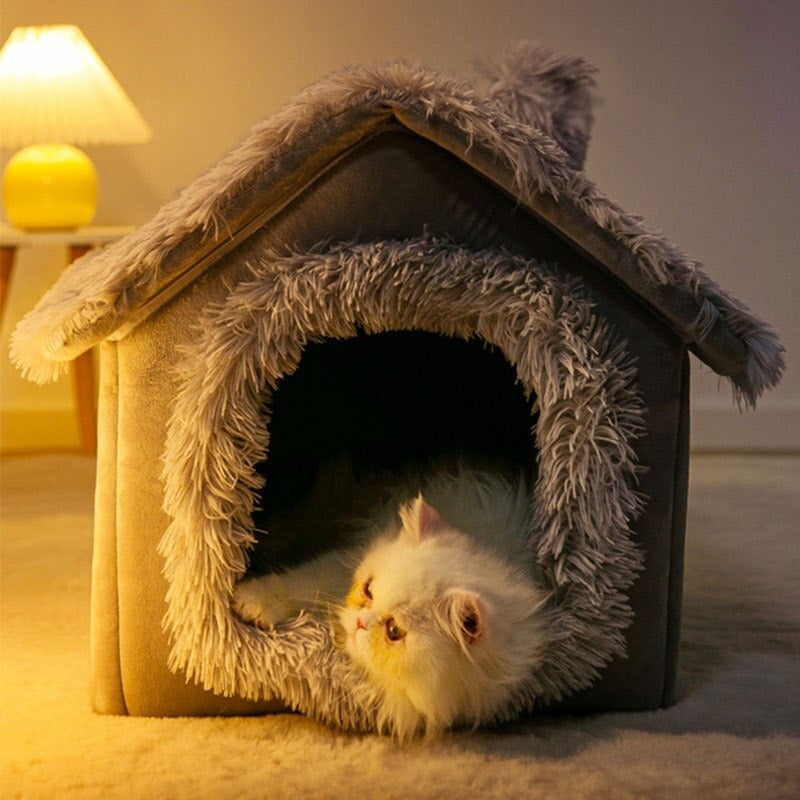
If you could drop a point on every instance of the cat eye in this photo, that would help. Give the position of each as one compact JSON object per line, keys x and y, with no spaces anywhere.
{"x":365,"y":589}
{"x":394,"y":633}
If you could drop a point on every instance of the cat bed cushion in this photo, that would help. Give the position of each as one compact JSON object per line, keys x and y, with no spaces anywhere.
{"x":328,"y":295}
{"x":387,"y":201}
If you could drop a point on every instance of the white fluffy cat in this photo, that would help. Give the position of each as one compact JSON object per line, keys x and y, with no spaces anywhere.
{"x":443,"y":615}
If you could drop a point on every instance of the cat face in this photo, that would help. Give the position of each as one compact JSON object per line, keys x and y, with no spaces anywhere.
{"x":401,"y":614}
{"x":426,"y":620}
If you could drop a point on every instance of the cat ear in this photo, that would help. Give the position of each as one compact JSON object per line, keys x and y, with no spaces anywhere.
{"x":430,"y":522}
{"x":420,"y":519}
{"x":464,"y":617}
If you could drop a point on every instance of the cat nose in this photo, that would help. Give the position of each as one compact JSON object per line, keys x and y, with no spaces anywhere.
{"x":360,"y":626}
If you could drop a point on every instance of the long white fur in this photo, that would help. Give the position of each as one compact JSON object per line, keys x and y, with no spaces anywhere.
{"x":429,"y":573}
{"x":428,"y":580}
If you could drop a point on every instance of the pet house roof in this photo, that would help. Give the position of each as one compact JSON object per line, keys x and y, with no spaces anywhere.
{"x":526,"y":134}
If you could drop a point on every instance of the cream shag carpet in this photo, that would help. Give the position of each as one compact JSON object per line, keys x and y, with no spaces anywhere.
{"x":734,"y":733}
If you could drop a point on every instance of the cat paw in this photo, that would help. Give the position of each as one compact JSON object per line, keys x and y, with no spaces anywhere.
{"x":262,"y":601}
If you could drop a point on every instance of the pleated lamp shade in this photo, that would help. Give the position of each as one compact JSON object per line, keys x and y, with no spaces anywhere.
{"x":56,"y":92}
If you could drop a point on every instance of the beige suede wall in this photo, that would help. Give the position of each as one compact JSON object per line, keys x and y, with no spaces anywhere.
{"x":697,"y":131}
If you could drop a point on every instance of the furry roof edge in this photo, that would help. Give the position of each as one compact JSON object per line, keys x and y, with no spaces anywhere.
{"x":551,"y":94}
{"x":547,"y":90}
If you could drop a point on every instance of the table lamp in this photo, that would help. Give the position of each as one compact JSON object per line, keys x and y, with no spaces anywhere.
{"x":56,"y":92}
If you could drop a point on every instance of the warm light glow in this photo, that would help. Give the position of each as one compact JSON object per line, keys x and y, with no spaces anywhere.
{"x":55,"y":91}
{"x":55,"y":88}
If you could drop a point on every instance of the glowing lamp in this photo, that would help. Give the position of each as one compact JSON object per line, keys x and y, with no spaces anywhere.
{"x":56,"y":92}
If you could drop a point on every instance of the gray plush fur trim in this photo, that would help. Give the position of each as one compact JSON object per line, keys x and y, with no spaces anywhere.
{"x":548,"y":91}
{"x":585,"y":498}
{"x":96,"y":294}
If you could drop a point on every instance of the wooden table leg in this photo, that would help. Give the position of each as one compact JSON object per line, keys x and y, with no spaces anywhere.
{"x":83,"y":372}
{"x":7,"y":254}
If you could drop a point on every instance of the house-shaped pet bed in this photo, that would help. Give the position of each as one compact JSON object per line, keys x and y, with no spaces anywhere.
{"x":394,"y":269}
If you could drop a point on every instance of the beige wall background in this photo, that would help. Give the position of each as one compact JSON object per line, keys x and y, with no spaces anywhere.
{"x":697,"y":132}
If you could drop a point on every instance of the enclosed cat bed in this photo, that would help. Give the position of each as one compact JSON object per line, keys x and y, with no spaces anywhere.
{"x":398,"y":269}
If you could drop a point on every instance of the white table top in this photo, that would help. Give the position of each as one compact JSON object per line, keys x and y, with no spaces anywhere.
{"x":101,"y":234}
